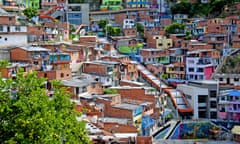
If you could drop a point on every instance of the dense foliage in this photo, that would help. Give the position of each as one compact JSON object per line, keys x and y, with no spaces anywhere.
{"x":174,"y":28}
{"x":211,"y":9}
{"x":30,"y":12}
{"x":28,"y":115}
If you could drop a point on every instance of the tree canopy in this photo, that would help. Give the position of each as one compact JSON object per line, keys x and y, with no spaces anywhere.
{"x":175,"y":28}
{"x":102,"y":23}
{"x":30,"y":12}
{"x":28,"y":115}
{"x":213,"y":8}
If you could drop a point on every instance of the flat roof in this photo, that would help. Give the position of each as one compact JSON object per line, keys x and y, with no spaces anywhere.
{"x":114,"y":119}
{"x":133,"y":82}
{"x":126,"y":106}
{"x":105,"y":62}
{"x":203,"y":82}
{"x":33,"y":48}
{"x":198,"y":51}
{"x":75,"y":82}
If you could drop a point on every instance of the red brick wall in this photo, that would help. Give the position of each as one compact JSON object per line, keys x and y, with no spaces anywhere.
{"x":109,"y":111}
{"x":94,"y":68}
{"x":155,"y":69}
{"x":97,"y":89}
{"x":130,"y":32}
{"x":151,"y":43}
{"x":119,"y":18}
{"x":56,"y":74}
{"x":35,"y":30}
{"x":18,"y":54}
{"x":7,"y":20}
{"x":136,"y":94}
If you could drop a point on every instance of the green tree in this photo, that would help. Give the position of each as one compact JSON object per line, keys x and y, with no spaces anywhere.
{"x":28,"y":115}
{"x":175,"y":28}
{"x":30,"y":12}
{"x":102,"y":23}
{"x":140,"y":29}
{"x":4,"y":63}
{"x":182,"y":8}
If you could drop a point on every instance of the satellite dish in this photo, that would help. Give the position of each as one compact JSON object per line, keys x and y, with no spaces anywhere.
{"x":82,"y":32}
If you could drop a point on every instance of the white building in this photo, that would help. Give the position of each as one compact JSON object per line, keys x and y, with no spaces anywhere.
{"x":128,"y":23}
{"x":202,"y":96}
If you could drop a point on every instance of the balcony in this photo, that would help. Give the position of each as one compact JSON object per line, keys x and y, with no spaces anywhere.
{"x":234,"y":101}
{"x":204,"y":61}
{"x":234,"y":110}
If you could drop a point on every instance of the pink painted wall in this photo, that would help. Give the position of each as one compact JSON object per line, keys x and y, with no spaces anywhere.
{"x":236,"y":117}
{"x":222,"y":115}
{"x":208,"y":72}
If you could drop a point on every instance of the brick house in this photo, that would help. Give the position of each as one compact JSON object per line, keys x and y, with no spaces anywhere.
{"x":106,"y":71}
{"x":34,"y":55}
{"x":11,"y":32}
{"x":217,"y":40}
{"x":52,"y":65}
{"x":154,"y":56}
{"x":57,"y":30}
{"x":59,"y":67}
{"x":143,"y":94}
{"x":130,"y":32}
{"x":83,"y":86}
{"x":36,"y":33}
{"x":193,"y":45}
{"x":151,"y":33}
{"x":127,"y":69}
{"x":113,"y":107}
{"x":11,"y":71}
{"x":177,"y":39}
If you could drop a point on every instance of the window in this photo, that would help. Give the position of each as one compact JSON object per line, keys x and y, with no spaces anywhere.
{"x":213,"y":94}
{"x":62,"y":75}
{"x":213,"y":104}
{"x":5,"y":39}
{"x":188,"y":97}
{"x":84,"y":89}
{"x":35,"y":62}
{"x":213,"y":115}
{"x":236,"y":79}
{"x":222,"y":109}
{"x":191,"y":69}
{"x":220,"y":79}
{"x":200,"y":70}
{"x":220,"y":38}
{"x":1,"y":28}
{"x":17,"y":28}
{"x":160,"y":44}
{"x":202,"y":98}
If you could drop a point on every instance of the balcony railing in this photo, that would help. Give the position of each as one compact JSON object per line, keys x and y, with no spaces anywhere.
{"x":235,"y":110}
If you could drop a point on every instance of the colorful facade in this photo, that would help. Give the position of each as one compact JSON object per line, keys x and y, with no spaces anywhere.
{"x":111,"y":5}
{"x":32,"y":3}
{"x":229,"y":106}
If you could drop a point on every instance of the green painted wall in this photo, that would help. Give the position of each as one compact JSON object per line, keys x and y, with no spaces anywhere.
{"x":32,"y":3}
